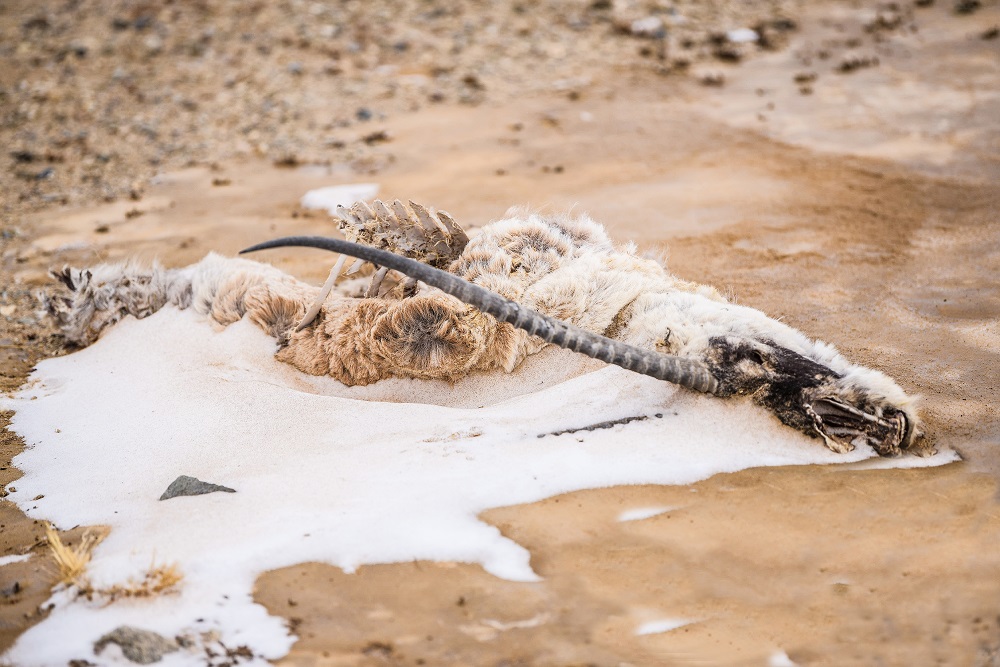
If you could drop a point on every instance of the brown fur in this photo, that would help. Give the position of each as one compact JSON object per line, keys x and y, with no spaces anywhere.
{"x":431,"y":337}
{"x":357,"y":341}
{"x":435,"y":336}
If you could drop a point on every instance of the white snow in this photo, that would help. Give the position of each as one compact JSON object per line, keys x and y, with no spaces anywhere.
{"x":649,"y":26}
{"x":780,"y":659}
{"x":393,"y":472}
{"x":662,"y":625}
{"x":640,"y":513}
{"x":17,"y":558}
{"x":742,"y":36}
{"x":329,"y":198}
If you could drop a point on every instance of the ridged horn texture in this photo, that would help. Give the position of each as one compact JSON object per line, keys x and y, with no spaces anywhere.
{"x":685,"y":372}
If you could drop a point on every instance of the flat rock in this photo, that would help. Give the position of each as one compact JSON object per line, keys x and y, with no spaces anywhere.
{"x":192,"y":486}
{"x":141,"y":646}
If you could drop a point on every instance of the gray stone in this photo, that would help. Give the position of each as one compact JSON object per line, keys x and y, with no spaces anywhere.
{"x":191,"y":486}
{"x":140,"y":646}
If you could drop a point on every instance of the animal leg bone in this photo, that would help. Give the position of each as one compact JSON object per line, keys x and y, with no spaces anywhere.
{"x":377,"y":282}
{"x":323,"y":294}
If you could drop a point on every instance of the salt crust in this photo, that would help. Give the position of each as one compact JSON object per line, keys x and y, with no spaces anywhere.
{"x":394,"y":472}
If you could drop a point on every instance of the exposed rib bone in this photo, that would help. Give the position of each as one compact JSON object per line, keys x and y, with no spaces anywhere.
{"x":377,"y":282}
{"x":685,"y":372}
{"x":458,"y":236}
{"x":325,"y":292}
{"x":409,"y":229}
{"x":358,"y":263}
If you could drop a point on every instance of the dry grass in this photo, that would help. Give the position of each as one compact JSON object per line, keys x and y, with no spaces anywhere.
{"x":72,"y":562}
{"x":157,"y":579}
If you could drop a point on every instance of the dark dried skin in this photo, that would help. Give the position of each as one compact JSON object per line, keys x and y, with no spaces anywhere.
{"x":807,"y":396}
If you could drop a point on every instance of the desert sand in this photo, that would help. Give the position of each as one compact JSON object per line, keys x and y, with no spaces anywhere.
{"x":846,"y":182}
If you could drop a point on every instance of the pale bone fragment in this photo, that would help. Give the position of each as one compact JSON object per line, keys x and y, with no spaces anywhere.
{"x":317,"y":304}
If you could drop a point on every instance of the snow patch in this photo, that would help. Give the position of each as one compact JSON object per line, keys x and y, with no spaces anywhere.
{"x":329,"y":198}
{"x":394,"y":472}
{"x":640,"y":513}
{"x":780,"y":659}
{"x":742,"y":36}
{"x":7,"y":560}
{"x":662,"y":625}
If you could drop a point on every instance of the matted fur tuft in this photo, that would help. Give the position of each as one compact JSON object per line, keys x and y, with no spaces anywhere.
{"x":100,"y":296}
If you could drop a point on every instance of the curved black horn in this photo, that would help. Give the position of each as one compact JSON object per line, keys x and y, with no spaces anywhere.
{"x":685,"y":372}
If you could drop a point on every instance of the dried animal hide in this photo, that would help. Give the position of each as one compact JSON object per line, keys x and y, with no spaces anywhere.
{"x":560,"y":266}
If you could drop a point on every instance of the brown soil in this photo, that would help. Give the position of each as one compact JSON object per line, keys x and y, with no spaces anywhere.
{"x":857,"y":201}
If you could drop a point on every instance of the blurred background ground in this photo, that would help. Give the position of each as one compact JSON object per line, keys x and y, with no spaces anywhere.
{"x":836,"y":164}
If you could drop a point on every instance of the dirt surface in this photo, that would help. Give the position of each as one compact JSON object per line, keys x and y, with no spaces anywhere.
{"x":846,"y":179}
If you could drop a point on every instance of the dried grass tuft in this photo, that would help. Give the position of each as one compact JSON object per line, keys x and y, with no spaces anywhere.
{"x":71,"y":562}
{"x":72,"y":565}
{"x":157,"y":580}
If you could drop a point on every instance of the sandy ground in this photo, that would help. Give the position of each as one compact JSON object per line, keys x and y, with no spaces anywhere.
{"x":859,"y":206}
